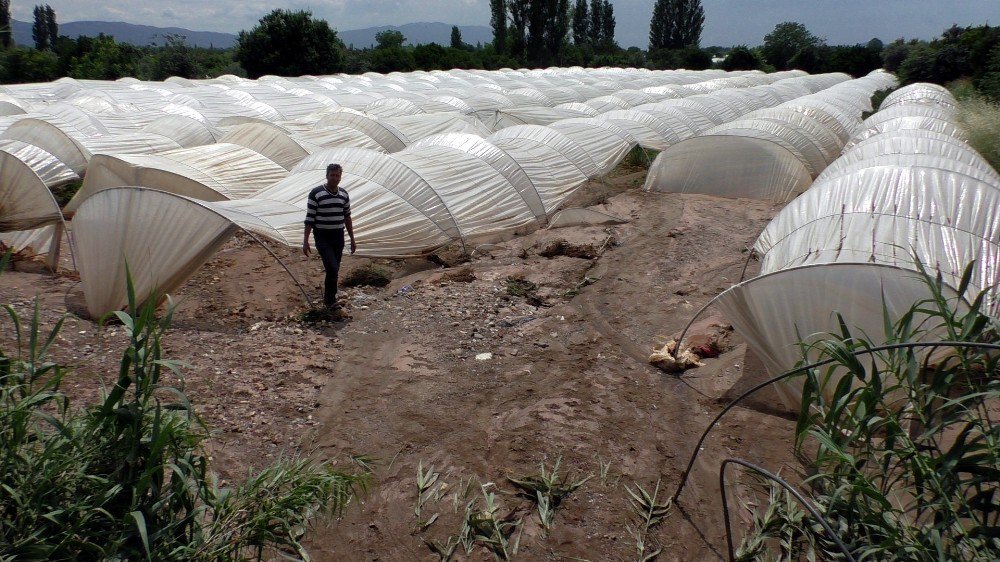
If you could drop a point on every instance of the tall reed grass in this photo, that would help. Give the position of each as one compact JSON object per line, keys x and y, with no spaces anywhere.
{"x":981,"y":120}
{"x":904,"y":455}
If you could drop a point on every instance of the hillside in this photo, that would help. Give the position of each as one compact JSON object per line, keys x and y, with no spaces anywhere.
{"x":415,"y":33}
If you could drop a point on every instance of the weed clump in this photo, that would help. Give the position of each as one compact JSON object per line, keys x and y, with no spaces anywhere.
{"x":368,"y":275}
{"x":128,"y":479}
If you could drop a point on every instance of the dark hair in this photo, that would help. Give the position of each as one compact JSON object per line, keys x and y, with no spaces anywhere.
{"x":333,"y":168}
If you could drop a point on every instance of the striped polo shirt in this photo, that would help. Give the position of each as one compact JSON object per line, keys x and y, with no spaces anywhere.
{"x":326,"y":211}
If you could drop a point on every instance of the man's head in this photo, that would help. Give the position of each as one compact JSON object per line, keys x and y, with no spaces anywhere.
{"x":333,"y":173}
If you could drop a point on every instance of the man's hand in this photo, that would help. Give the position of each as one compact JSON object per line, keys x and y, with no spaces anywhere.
{"x":354,"y":247}
{"x":305,"y":248}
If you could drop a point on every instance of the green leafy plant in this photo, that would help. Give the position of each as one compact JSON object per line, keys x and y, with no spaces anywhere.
{"x":486,"y":527}
{"x":547,"y":490}
{"x":425,"y":484}
{"x":127,"y":479}
{"x":649,"y":512}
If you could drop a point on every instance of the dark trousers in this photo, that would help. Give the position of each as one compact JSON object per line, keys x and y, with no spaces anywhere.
{"x":330,"y":245}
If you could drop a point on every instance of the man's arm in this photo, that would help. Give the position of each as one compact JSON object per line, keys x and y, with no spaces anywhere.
{"x":309,"y":222}
{"x":349,"y":224}
{"x":305,"y":239}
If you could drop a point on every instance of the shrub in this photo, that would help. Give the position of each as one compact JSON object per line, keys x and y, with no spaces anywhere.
{"x":127,"y":479}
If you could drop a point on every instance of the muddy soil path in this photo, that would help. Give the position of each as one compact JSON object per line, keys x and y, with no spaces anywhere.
{"x":567,"y":380}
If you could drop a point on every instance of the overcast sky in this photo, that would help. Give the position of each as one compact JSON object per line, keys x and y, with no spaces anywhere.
{"x":727,"y":22}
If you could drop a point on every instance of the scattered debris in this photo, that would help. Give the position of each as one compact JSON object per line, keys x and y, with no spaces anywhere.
{"x":460,"y":275}
{"x":663,"y":359}
{"x":564,"y":248}
{"x":369,"y":275}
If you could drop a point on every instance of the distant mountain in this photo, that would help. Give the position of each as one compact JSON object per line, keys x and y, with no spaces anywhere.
{"x":419,"y":34}
{"x":128,"y":33}
{"x":415,"y":33}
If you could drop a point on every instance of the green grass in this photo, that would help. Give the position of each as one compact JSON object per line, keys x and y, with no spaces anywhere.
{"x":981,"y":120}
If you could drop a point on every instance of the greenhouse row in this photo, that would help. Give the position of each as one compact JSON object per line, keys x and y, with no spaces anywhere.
{"x":170,"y":171}
{"x":907,"y":195}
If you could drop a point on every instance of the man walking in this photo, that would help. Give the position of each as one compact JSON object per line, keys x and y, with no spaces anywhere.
{"x":328,"y":214}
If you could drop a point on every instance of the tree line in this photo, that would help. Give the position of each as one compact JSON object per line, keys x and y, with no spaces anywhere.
{"x":526,"y":33}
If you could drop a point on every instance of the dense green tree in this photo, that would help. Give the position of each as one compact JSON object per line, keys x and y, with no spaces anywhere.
{"x":498,"y":21}
{"x":290,"y":43}
{"x":40,"y":29}
{"x":6,"y":31}
{"x":808,"y":59}
{"x":934,"y":63}
{"x":391,"y":59}
{"x":176,"y":58}
{"x":456,"y":38}
{"x":856,"y":60}
{"x":676,"y":24}
{"x":787,"y":39}
{"x":741,"y":57}
{"x":581,"y":23}
{"x":19,"y":65}
{"x":389,"y":38}
{"x":894,"y":54}
{"x":105,"y":59}
{"x":50,"y":19}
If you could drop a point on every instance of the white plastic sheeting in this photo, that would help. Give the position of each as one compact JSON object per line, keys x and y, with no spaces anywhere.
{"x":270,"y":141}
{"x":729,"y":166}
{"x":162,"y":238}
{"x":900,"y":195}
{"x":944,"y":218}
{"x":774,"y":312}
{"x":210,"y":173}
{"x":26,"y":173}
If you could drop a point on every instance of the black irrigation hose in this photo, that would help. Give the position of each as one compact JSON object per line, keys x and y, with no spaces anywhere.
{"x":309,"y":302}
{"x":788,"y":487}
{"x":798,"y":370}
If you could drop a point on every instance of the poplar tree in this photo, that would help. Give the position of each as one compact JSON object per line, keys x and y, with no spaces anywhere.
{"x":6,"y":31}
{"x":581,"y":23}
{"x":498,"y":21}
{"x":519,"y":13}
{"x":596,"y":22}
{"x":558,"y":28}
{"x":676,"y":24}
{"x":50,"y":16}
{"x":608,"y":26}
{"x":40,"y":29}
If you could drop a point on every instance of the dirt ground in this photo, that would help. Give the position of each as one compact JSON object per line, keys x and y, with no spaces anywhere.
{"x":407,"y":380}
